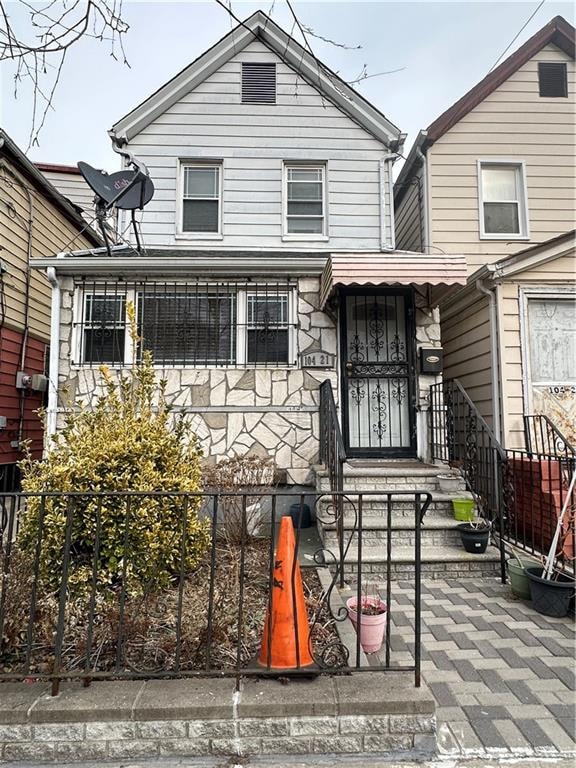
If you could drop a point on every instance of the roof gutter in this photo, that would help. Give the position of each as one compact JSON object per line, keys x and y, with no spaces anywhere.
{"x":426,"y":215}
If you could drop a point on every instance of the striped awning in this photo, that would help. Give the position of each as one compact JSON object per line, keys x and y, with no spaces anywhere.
{"x":443,"y":273}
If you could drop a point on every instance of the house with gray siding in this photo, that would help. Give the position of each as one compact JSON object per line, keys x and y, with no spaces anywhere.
{"x":269,"y":264}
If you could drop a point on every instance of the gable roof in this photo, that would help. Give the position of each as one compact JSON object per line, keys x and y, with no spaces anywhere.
{"x":558,"y":32}
{"x":260,"y":27}
{"x":48,"y":190}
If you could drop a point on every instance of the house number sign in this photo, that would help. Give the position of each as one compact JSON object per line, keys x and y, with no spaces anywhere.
{"x":317,"y":360}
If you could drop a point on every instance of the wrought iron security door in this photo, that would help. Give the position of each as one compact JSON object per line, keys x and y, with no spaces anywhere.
{"x":378,"y":374}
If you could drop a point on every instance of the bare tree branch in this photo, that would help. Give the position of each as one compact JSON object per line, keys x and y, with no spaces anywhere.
{"x":54,"y":28}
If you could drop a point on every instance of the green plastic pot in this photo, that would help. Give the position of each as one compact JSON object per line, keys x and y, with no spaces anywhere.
{"x":463,"y":510}
{"x":519,"y":581}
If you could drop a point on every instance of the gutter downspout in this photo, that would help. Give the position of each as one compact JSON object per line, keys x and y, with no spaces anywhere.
{"x":495,"y":380}
{"x":422,"y":157}
{"x":387,"y":245}
{"x":53,"y":371}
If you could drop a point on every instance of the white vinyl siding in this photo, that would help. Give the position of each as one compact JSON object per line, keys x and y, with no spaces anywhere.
{"x":253,"y":142}
{"x":502,"y":200}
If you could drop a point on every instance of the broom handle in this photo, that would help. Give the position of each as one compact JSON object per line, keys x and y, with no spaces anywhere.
{"x":548,"y":565}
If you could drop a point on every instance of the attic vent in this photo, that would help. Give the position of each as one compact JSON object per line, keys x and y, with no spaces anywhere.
{"x":258,"y":83}
{"x":552,"y":79}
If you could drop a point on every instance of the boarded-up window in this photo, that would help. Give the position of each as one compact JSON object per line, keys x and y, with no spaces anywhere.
{"x":552,"y":340}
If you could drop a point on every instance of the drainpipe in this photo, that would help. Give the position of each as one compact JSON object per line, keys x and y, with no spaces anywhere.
{"x":426,"y":224}
{"x":387,"y":245}
{"x":495,"y":380}
{"x":52,"y":410}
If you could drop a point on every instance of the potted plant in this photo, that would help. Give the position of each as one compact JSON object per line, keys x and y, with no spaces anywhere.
{"x":371,"y":618}
{"x":463,"y":509}
{"x":519,"y":582}
{"x":475,"y":535}
{"x":552,"y":591}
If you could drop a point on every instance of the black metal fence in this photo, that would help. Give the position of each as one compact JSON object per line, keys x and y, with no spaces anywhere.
{"x":84,"y":596}
{"x":520,"y":491}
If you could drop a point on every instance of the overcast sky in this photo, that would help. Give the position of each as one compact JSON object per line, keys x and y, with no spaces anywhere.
{"x":442,"y":49}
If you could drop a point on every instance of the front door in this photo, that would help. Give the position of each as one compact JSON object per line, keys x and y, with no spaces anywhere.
{"x":377,"y":353}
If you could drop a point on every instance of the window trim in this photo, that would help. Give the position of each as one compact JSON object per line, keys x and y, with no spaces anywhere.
{"x":565,"y":70}
{"x":241,"y":337}
{"x":525,"y":294}
{"x":523,"y":219}
{"x":181,"y":233}
{"x":302,"y":236}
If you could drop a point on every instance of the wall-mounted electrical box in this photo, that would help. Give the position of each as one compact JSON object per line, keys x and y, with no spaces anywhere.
{"x":430,"y":360}
{"x":35,"y":382}
{"x":3,"y":422}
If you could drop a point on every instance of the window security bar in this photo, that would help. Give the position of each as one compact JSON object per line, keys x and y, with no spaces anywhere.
{"x":197,"y":324}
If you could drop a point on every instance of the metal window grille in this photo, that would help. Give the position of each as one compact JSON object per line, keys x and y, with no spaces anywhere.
{"x":198,"y":324}
{"x":258,"y":83}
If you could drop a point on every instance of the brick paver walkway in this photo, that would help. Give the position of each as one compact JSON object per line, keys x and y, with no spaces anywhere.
{"x":502,"y":674}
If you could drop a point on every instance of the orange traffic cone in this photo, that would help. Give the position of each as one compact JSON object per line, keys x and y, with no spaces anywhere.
{"x":286,"y":636}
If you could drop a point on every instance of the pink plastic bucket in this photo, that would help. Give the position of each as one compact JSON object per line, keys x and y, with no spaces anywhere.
{"x":371,"y":627}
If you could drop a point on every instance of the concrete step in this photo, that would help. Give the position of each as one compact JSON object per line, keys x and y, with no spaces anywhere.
{"x":389,"y":478}
{"x":434,"y":533}
{"x":374,"y":506}
{"x":436,"y":561}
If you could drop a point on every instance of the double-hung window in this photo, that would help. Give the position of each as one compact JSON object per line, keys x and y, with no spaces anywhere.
{"x":201,"y":198}
{"x":502,"y":196}
{"x":187,"y":324}
{"x":305,"y":194}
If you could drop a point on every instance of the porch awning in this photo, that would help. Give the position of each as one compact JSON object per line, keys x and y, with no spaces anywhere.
{"x":442,"y":273}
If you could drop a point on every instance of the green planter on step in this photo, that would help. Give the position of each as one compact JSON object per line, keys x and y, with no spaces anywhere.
{"x":463,"y":510}
{"x":519,"y":581}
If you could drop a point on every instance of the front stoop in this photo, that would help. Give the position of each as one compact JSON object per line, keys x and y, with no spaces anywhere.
{"x":442,"y":554}
{"x":377,"y":713}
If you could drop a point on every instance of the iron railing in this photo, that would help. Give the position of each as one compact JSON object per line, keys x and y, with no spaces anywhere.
{"x":542,"y":436}
{"x":520,"y":492}
{"x":72,"y":606}
{"x":333,"y":456}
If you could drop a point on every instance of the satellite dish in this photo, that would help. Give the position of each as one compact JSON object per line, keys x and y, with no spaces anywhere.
{"x":128,"y":189}
{"x":108,"y":187}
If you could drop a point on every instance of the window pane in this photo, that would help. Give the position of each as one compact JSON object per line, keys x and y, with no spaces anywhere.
{"x":304,"y":209}
{"x":104,"y":309}
{"x":104,"y":345}
{"x":195,"y":329}
{"x":304,"y":191}
{"x":501,"y":218}
{"x":304,"y":174}
{"x":305,"y":226}
{"x":266,"y":310}
{"x":200,"y":216}
{"x":201,"y":182}
{"x":552,"y":330}
{"x":267,"y":345}
{"x":499,"y":184}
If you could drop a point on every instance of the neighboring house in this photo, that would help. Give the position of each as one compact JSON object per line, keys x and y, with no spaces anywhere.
{"x":35,"y":220}
{"x":70,"y":183}
{"x":269,"y":263}
{"x":494,"y":178}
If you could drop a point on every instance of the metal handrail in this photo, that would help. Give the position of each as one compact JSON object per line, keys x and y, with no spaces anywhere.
{"x":541,"y":435}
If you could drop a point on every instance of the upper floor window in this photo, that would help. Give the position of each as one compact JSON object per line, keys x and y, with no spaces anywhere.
{"x":305,"y":200}
{"x":258,"y":83}
{"x":201,"y":198}
{"x":552,"y":79}
{"x":502,"y":200}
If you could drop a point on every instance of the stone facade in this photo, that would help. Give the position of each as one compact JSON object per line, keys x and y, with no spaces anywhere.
{"x":256,"y":411}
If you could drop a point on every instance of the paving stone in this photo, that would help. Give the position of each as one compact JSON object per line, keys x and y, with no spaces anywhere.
{"x":493,"y":713}
{"x":488,"y":733}
{"x":527,"y":638}
{"x":503,"y":630}
{"x":467,"y":670}
{"x":524,"y":693}
{"x":441,"y":660}
{"x":560,"y":711}
{"x":534,"y":733}
{"x":512,"y":736}
{"x":493,"y":680}
{"x":466,"y":737}
{"x":559,"y":736}
{"x":463,"y":641}
{"x":486,"y":649}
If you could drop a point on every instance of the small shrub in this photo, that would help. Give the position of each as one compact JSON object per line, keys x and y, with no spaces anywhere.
{"x":242,"y":474}
{"x":128,"y":442}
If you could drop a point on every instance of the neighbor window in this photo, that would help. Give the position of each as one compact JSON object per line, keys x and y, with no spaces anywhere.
{"x":552,"y":79}
{"x":502,"y":200}
{"x":305,"y":196}
{"x":201,"y":198}
{"x":552,"y":340}
{"x":187,"y":324}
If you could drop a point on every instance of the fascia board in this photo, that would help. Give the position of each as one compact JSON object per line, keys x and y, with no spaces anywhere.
{"x":533,"y":260}
{"x":168,"y":266}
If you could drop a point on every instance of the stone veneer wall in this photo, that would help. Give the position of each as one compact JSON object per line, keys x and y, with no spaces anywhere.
{"x":256,"y":411}
{"x":236,"y":411}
